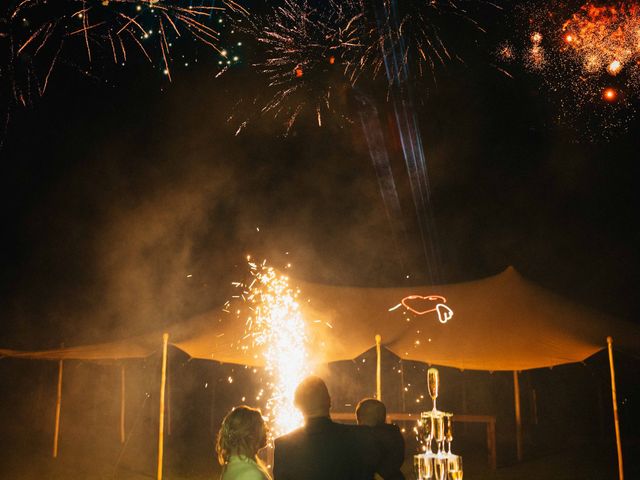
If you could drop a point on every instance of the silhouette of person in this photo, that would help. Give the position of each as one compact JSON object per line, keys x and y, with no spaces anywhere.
{"x":322,"y":449}
{"x":389,"y":441}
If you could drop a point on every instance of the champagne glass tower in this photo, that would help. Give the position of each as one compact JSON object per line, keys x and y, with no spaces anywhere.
{"x":436,"y":425}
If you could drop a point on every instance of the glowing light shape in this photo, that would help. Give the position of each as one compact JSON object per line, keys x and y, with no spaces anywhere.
{"x":610,"y":94}
{"x":614,"y":67}
{"x":443,"y":311}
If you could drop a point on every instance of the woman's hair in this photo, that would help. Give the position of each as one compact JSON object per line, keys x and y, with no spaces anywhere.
{"x":242,"y":432}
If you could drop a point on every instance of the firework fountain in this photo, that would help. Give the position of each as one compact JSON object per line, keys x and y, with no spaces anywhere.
{"x":275,"y":327}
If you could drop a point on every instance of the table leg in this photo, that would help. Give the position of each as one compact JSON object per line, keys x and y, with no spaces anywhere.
{"x":491,"y":444}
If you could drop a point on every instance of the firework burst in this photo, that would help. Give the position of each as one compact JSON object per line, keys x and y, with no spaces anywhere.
{"x":313,"y":53}
{"x":303,"y":48}
{"x":588,"y":55}
{"x":39,"y":34}
{"x":604,"y":38}
{"x":416,"y":34}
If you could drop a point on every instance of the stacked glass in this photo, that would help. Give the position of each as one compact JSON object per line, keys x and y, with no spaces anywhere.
{"x":436,"y":425}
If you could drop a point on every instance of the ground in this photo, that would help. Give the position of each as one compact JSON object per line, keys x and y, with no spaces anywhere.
{"x":576,"y":462}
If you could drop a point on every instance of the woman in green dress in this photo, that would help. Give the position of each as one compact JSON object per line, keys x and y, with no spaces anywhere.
{"x":242,"y":434}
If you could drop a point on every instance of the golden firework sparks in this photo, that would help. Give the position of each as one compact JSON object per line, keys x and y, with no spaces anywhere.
{"x":277,"y":327}
{"x":41,"y":34}
{"x":588,"y":58}
{"x":605,"y":36}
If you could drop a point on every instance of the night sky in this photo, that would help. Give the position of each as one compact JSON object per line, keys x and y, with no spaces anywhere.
{"x":128,"y":203}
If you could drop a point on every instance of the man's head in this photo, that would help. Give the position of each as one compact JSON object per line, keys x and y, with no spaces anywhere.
{"x":371,"y":412}
{"x":312,"y":397}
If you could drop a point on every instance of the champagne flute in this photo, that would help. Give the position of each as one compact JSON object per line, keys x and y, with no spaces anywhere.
{"x":433,"y":383}
{"x":428,"y":466}
{"x":439,"y":467}
{"x":427,"y":430}
{"x":449,"y":434}
{"x":423,"y":467}
{"x":454,"y":467}
{"x":439,"y":432}
{"x":418,"y":468}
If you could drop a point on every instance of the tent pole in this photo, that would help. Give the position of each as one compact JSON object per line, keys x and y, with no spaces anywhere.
{"x":168,"y":402}
{"x":402,"y":392}
{"x":615,"y":408}
{"x":163,"y":383}
{"x":56,"y":432}
{"x":212,"y":417}
{"x":122,"y":403}
{"x":601,"y":411}
{"x":378,"y":368}
{"x":516,"y":394}
{"x":464,"y":401}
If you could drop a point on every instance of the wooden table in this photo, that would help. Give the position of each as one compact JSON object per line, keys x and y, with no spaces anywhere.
{"x":489,"y":420}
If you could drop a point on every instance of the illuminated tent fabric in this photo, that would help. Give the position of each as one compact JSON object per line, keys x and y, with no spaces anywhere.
{"x":138,"y":347}
{"x":210,"y":336}
{"x":503,"y":322}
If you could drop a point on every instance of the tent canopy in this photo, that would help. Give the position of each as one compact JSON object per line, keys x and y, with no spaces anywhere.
{"x":503,"y":322}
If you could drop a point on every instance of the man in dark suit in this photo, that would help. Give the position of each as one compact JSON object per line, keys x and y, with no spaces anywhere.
{"x":322,"y":449}
{"x":389,"y":440}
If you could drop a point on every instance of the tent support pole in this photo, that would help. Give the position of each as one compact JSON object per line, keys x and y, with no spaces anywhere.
{"x":163,"y":384}
{"x":464,"y":401}
{"x":168,"y":402}
{"x":378,"y":368}
{"x":56,"y":432}
{"x":402,"y":392}
{"x":122,"y":403}
{"x":516,"y":394}
{"x":615,"y":408}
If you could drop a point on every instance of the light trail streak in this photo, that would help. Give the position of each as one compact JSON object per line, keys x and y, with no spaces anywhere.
{"x":397,"y":70}
{"x":372,"y":131}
